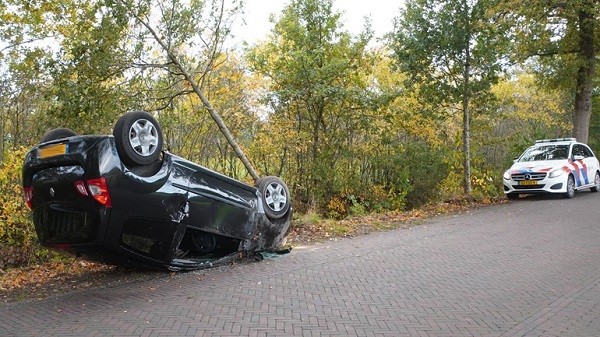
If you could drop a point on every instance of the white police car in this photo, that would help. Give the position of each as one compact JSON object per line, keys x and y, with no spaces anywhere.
{"x":560,"y":165}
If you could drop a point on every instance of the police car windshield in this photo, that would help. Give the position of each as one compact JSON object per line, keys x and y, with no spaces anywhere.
{"x":545,"y":152}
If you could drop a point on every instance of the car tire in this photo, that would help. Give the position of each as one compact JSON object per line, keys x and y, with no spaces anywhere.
{"x":570,"y":188}
{"x":138,"y":138}
{"x":596,"y":186}
{"x":275,"y":196}
{"x":512,"y":196}
{"x":57,"y":134}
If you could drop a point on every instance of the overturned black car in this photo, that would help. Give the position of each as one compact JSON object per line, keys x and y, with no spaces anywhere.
{"x":120,"y":198}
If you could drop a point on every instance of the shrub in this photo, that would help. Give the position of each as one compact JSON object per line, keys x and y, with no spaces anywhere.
{"x":18,"y":242}
{"x":426,"y":167}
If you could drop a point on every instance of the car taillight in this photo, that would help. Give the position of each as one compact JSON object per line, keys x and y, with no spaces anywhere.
{"x":28,"y":192}
{"x":99,"y":191}
{"x":80,"y":187}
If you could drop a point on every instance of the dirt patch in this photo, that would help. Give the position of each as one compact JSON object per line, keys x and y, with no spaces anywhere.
{"x":56,"y":278}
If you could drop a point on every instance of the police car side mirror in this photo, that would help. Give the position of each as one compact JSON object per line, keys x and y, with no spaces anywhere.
{"x":578,"y":157}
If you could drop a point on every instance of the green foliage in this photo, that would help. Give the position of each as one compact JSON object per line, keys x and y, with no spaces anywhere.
{"x":486,"y":183}
{"x":337,"y":207}
{"x":17,"y":235}
{"x":87,"y":93}
{"x":561,"y":39}
{"x":426,"y":169}
{"x":522,"y":113}
{"x":594,"y":140}
{"x":449,"y":47}
{"x":14,"y":214}
{"x":453,"y":53}
{"x":318,"y":94}
{"x":307,"y":218}
{"x":192,"y":133}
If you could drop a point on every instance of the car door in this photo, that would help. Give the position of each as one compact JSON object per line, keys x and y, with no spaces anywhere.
{"x":580,"y":171}
{"x":591,"y":163}
{"x":221,"y":205}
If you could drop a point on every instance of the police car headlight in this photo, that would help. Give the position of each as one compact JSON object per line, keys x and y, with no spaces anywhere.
{"x":506,"y":175}
{"x":556,"y":173}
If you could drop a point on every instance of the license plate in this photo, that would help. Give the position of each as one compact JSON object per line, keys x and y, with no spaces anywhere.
{"x":52,"y":150}
{"x":528,"y":182}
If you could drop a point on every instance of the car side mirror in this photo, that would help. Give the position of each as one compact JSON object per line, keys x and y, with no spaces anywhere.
{"x":578,"y":157}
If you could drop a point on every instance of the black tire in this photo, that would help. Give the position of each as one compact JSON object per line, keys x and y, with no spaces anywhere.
{"x":512,"y":196}
{"x":570,"y":188}
{"x":138,"y":138}
{"x":596,"y":186}
{"x":275,"y":196}
{"x":57,"y":134}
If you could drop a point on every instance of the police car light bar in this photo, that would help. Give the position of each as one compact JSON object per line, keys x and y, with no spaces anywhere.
{"x":556,"y":140}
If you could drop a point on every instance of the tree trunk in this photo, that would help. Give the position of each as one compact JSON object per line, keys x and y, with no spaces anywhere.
{"x":467,"y":119}
{"x":467,"y":145}
{"x":585,"y":75}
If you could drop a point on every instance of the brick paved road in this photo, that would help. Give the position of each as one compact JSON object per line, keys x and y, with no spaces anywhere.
{"x":528,"y":268}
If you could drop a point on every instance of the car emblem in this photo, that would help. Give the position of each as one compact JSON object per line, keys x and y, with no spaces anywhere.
{"x":527,"y":177}
{"x":52,"y":192}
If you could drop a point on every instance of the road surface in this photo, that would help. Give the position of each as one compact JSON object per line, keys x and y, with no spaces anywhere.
{"x":527,"y":268}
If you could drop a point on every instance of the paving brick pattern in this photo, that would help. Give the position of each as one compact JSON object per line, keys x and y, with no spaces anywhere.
{"x":528,"y":268}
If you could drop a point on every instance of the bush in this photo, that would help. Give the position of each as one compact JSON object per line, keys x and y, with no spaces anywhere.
{"x":18,"y":242}
{"x":427,"y":168}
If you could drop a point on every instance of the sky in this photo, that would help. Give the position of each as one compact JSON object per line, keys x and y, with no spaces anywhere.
{"x":381,"y":12}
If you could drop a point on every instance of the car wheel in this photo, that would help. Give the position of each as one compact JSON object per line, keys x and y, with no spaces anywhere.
{"x":57,"y":134}
{"x":138,"y":138}
{"x":275,"y":196}
{"x":570,"y":188}
{"x":512,"y":196}
{"x":596,"y":186}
